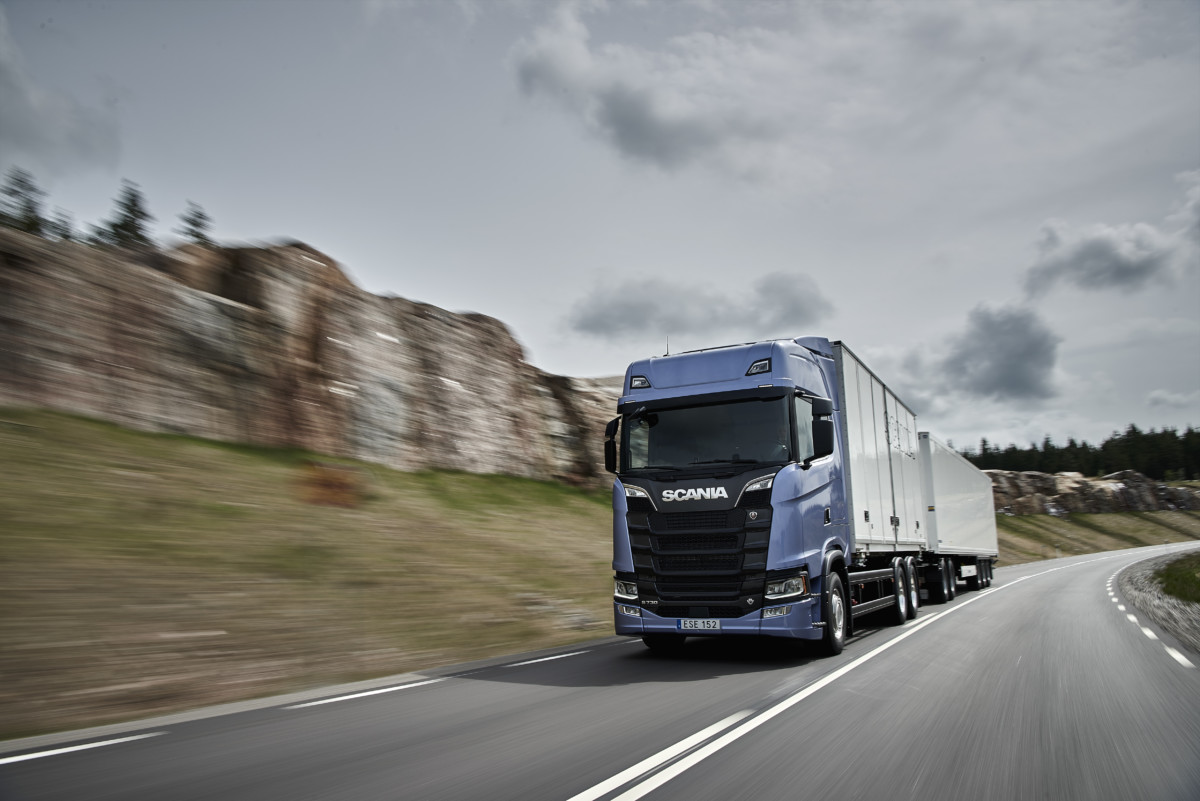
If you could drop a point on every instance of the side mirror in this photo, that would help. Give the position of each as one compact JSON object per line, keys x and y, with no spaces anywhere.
{"x":822,"y":438}
{"x":610,"y":445}
{"x":822,"y":407}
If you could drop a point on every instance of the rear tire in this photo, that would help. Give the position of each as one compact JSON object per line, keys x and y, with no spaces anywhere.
{"x":975,"y":582}
{"x":899,"y":592}
{"x":664,"y":644}
{"x":951,"y":580}
{"x":910,"y":583}
{"x":834,"y":613}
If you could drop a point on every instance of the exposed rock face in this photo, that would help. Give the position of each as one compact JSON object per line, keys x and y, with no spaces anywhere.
{"x":276,"y":346}
{"x":1030,"y":493}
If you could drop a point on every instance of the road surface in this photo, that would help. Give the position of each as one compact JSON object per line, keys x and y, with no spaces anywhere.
{"x":1046,"y":685}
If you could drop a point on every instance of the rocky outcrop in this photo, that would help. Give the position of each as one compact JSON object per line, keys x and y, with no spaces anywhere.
{"x":276,"y":346}
{"x":1030,"y":493}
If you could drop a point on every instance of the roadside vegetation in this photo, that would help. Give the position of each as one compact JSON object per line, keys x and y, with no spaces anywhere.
{"x":1181,"y":578}
{"x":142,"y":574}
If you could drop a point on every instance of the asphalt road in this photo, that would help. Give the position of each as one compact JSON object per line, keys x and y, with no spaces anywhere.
{"x":1047,"y":685}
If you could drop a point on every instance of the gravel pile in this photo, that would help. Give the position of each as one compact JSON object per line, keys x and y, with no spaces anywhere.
{"x":1180,"y":618}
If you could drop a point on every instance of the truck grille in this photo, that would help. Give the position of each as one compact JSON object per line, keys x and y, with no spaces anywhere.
{"x":722,"y":563}
{"x":700,"y":611}
{"x":691,"y":521}
{"x":696,"y":542}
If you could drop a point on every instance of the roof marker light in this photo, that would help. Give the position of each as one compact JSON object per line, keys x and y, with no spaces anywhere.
{"x":639,"y":382}
{"x":760,"y":366}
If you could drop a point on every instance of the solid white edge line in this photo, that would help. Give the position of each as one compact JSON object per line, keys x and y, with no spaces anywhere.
{"x":69,"y":749}
{"x":650,"y":763}
{"x":697,"y":756}
{"x":364,"y":694}
{"x":1178,"y":657}
{"x":546,"y":659}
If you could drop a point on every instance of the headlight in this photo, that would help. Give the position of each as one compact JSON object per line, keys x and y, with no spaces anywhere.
{"x":760,"y":484}
{"x":635,"y":492}
{"x":625,"y":589}
{"x":786,"y":588}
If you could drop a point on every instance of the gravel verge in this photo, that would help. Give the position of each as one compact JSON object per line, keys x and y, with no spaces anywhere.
{"x":1179,"y":618}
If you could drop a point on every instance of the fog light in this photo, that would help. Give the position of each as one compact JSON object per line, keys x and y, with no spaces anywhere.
{"x":632,"y":611}
{"x":776,"y":611}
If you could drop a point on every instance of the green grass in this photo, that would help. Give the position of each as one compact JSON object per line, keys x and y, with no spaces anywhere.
{"x":1181,"y":578}
{"x":144,"y":573}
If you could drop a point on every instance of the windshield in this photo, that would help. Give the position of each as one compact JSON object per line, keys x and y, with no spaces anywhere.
{"x":740,"y":432}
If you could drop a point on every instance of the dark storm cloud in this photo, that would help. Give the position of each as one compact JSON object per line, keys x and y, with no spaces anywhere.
{"x":1122,"y":257}
{"x":777,"y":302}
{"x":41,"y":129}
{"x":1006,"y":353}
{"x":1100,"y":257}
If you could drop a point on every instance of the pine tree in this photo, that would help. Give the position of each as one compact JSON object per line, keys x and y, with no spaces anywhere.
{"x":128,"y":226}
{"x":22,"y":207}
{"x":61,"y":226}
{"x":196,"y":225}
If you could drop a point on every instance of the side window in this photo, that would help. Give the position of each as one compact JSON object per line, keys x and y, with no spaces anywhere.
{"x":804,"y":434}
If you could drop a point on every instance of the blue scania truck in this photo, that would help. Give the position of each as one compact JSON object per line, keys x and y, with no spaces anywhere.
{"x":780,"y":488}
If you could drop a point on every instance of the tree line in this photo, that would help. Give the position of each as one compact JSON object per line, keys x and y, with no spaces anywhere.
{"x":1165,"y":455}
{"x":22,"y":207}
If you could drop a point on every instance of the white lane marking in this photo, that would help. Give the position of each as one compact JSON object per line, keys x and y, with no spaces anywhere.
{"x":1121,"y":607}
{"x":69,"y":749}
{"x":1116,"y":601}
{"x":547,"y":659}
{"x":364,"y":694}
{"x":650,"y":763}
{"x":1131,"y":618}
{"x":1178,"y":657}
{"x":1149,"y":633}
{"x":700,"y":754}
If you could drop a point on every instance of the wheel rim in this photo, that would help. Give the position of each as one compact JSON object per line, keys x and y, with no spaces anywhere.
{"x":838,"y":609}
{"x":910,"y":574}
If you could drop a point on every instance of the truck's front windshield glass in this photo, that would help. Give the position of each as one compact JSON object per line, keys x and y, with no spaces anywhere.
{"x":740,"y":432}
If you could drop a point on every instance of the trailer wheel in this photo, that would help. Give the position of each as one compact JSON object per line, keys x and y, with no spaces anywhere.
{"x":899,"y":593}
{"x":833,"y":612}
{"x":664,"y":644}
{"x":951,"y":580}
{"x":988,"y":574}
{"x":910,"y":583}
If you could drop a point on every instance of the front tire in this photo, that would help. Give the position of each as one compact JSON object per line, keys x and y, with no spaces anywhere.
{"x":834,"y":612}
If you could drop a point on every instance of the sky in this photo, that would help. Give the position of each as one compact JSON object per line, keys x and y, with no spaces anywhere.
{"x":996,"y":205}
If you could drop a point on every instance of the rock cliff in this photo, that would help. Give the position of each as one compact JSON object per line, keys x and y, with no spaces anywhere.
{"x":1029,"y":493}
{"x":276,"y":346}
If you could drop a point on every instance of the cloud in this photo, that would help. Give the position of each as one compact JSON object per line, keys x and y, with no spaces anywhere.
{"x":1122,"y":257}
{"x":45,"y":128}
{"x":777,"y":303}
{"x":1165,"y":399}
{"x":1100,"y":257}
{"x":794,"y":91}
{"x":1006,"y":353}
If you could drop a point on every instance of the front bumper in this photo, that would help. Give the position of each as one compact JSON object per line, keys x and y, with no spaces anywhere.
{"x":797,"y":624}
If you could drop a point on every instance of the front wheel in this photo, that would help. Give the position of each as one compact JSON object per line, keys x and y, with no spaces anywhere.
{"x":833,"y":610}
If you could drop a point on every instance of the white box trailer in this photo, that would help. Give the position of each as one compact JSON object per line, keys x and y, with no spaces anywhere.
{"x":959,"y":515}
{"x":883,"y":484}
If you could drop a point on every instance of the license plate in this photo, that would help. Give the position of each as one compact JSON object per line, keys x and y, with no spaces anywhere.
{"x":704,"y":624}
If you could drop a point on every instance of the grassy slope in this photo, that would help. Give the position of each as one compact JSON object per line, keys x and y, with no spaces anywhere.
{"x":141,"y":574}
